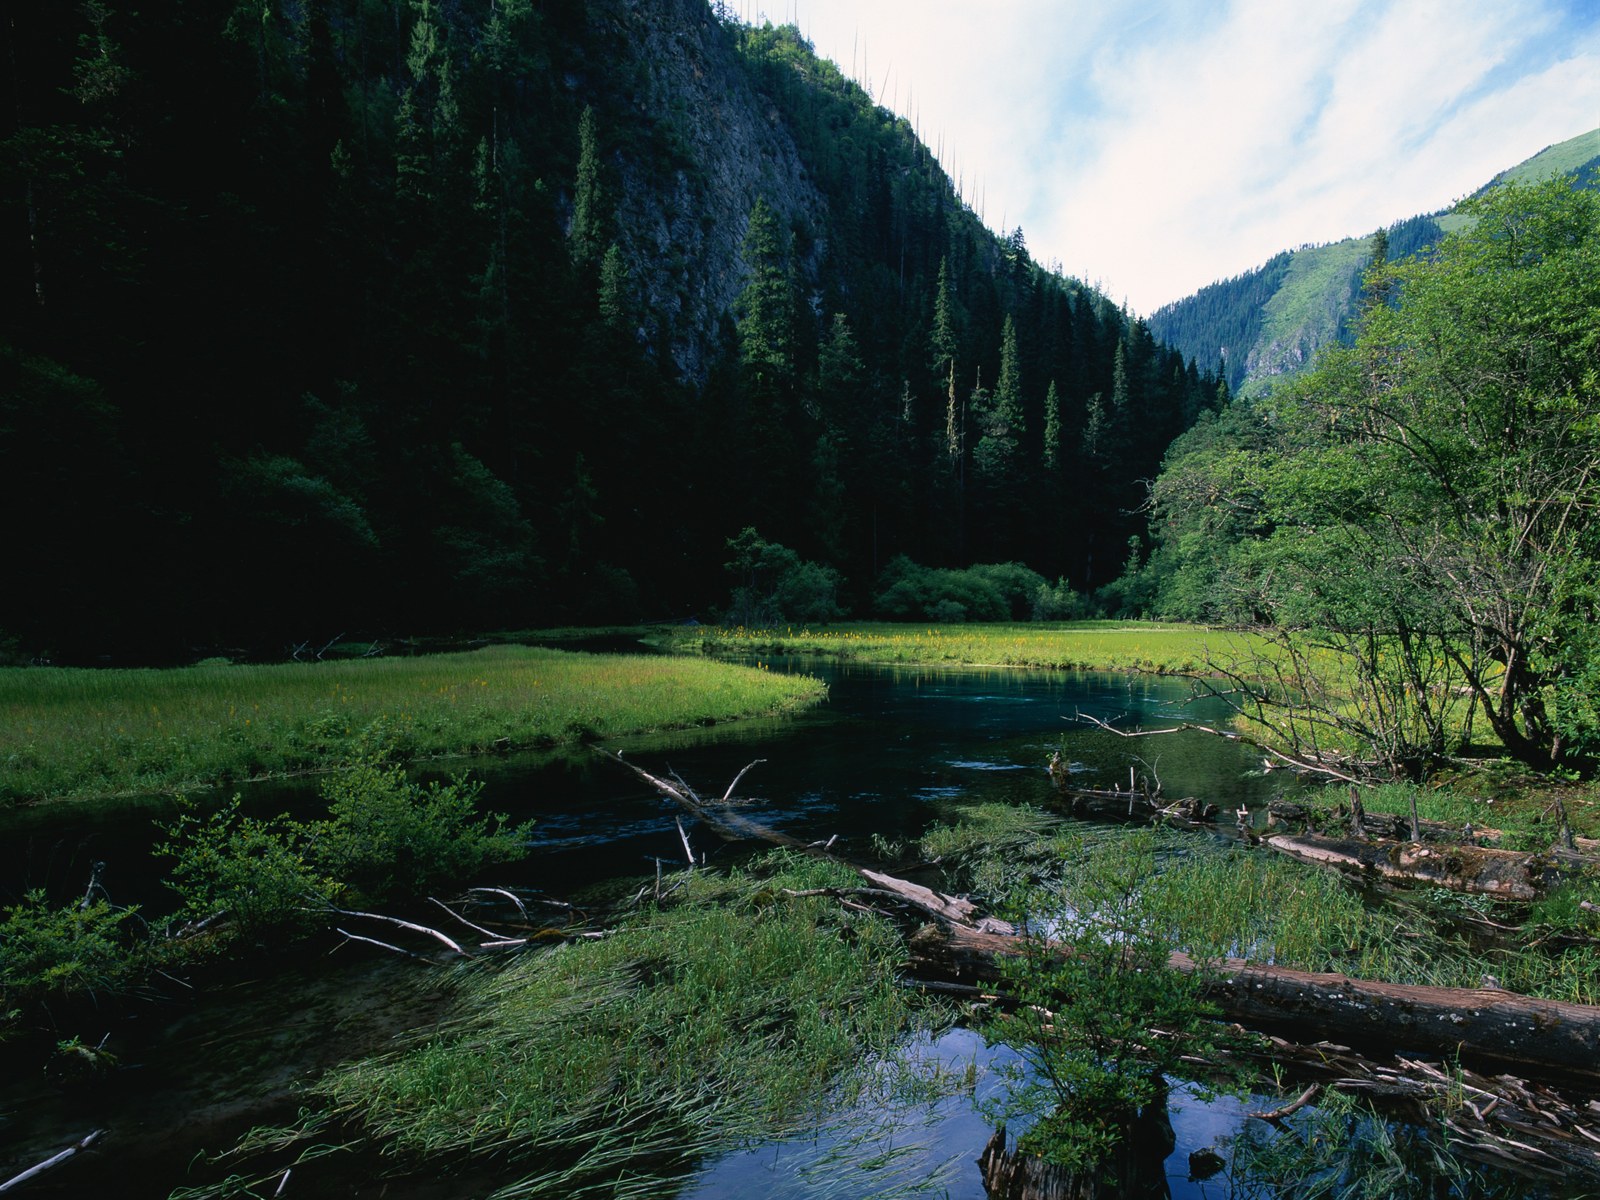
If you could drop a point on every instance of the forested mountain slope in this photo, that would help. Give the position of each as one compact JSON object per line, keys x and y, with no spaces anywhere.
{"x":1271,"y":321}
{"x":354,"y":315}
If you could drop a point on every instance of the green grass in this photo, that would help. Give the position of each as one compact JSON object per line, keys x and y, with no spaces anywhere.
{"x":68,"y":734}
{"x":1079,"y":645}
{"x":738,"y":1013}
{"x":1217,"y":902}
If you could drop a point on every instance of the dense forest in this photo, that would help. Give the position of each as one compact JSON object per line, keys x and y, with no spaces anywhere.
{"x":400,"y":317}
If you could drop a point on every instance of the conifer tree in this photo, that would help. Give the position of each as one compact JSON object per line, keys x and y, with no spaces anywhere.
{"x":589,"y":218}
{"x":1052,"y":428}
{"x":1008,"y":388}
{"x":766,"y":306}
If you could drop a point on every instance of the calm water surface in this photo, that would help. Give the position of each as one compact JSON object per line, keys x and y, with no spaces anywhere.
{"x":893,"y":750}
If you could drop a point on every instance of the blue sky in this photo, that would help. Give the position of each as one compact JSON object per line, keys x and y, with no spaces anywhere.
{"x":1155,"y":147}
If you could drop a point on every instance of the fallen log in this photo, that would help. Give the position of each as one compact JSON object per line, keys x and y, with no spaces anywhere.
{"x":1504,"y":874}
{"x":1489,"y":1026}
{"x":1441,"y":859}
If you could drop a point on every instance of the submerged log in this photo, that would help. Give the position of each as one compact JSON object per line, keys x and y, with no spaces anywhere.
{"x":1553,"y":1039}
{"x":1504,"y":874}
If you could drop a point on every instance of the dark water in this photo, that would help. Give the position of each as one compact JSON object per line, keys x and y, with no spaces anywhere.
{"x":892,"y":751}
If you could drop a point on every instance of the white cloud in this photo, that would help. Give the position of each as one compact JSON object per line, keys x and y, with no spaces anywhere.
{"x":1154,"y":148}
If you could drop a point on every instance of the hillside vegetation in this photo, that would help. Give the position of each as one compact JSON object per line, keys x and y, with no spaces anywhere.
{"x":1267,"y":323}
{"x":431,"y":317}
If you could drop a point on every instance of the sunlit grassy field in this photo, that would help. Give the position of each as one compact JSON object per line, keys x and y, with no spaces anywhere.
{"x":1080,"y":645}
{"x":70,"y":733}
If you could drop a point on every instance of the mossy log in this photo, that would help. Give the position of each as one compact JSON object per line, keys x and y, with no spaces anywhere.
{"x":1547,"y":1039}
{"x":1441,"y":859}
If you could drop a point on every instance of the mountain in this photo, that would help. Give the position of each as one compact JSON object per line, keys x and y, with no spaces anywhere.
{"x":381,"y":318}
{"x":1271,"y":321}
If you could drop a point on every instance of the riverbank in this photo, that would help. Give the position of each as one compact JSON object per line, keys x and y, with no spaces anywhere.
{"x":1075,"y":646}
{"x":72,"y":734}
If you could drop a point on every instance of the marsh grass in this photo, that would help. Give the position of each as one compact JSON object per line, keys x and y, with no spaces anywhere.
{"x":1270,"y":909}
{"x":1080,"y":645}
{"x":72,"y":734}
{"x":1217,"y":902}
{"x":737,"y":1013}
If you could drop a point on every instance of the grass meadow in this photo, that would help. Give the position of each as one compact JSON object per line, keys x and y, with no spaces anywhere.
{"x":68,"y":733}
{"x":1080,"y":645}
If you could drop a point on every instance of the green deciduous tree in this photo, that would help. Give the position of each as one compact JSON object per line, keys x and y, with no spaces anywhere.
{"x":1427,"y":509}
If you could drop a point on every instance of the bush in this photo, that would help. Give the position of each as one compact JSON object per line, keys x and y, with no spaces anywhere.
{"x":385,"y":839}
{"x":776,"y":585}
{"x":389,"y":838}
{"x":49,"y":953}
{"x":1059,"y":602}
{"x":985,"y":592}
{"x":256,"y":871}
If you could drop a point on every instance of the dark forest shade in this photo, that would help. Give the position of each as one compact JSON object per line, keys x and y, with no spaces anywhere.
{"x":415,"y":317}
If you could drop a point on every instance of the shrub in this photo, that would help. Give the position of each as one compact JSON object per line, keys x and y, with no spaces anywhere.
{"x":985,"y":592}
{"x":254,"y":870}
{"x":386,"y":838}
{"x":390,"y":838}
{"x":48,"y":953}
{"x":776,"y":585}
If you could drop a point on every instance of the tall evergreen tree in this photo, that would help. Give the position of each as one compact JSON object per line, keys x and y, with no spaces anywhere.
{"x":590,"y":217}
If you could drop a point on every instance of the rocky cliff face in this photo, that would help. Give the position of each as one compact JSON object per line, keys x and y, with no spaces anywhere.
{"x":696,"y":146}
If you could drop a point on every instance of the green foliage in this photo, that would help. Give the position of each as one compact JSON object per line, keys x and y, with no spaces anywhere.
{"x":1423,"y":502}
{"x":257,"y":872}
{"x":390,"y":838}
{"x":775,"y":585}
{"x":984,"y":592}
{"x":385,"y":839}
{"x":1082,"y":1020}
{"x":50,"y":953}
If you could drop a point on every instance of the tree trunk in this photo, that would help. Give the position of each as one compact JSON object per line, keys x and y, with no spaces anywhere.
{"x":1547,"y":1039}
{"x":1550,"y":1039}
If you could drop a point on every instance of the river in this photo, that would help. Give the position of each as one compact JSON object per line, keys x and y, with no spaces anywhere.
{"x":893,"y":750}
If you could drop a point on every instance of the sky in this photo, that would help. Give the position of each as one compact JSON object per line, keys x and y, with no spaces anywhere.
{"x":1153,"y":147}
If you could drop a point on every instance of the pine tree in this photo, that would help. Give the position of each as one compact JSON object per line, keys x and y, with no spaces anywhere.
{"x":942,"y":338}
{"x":1008,"y":388}
{"x":589,"y":218}
{"x":1052,"y":428}
{"x":766,"y":306}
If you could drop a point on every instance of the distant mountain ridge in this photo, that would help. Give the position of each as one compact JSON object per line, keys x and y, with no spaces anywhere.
{"x":1270,"y":322}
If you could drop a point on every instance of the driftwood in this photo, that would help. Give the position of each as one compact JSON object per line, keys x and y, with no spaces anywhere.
{"x":55,"y":1160}
{"x":1380,"y":845}
{"x":736,"y":827}
{"x":1546,"y":1038}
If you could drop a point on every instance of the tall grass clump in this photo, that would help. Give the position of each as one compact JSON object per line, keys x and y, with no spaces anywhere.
{"x":1264,"y":908}
{"x":72,"y":733}
{"x":738,"y":1012}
